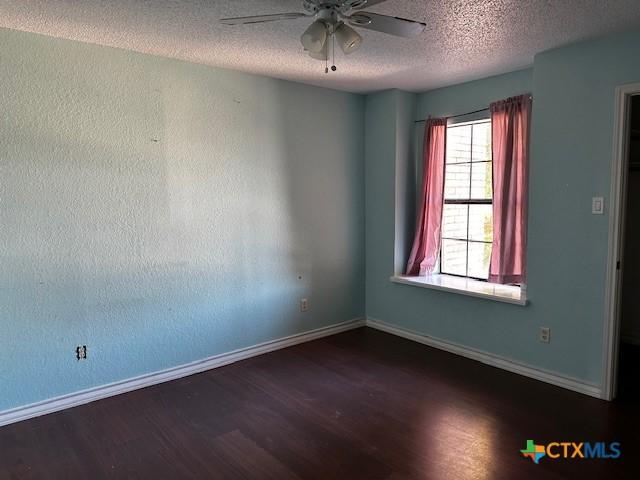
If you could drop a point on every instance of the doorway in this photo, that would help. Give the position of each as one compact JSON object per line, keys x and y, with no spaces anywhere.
{"x":629,"y":349}
{"x":622,"y":263}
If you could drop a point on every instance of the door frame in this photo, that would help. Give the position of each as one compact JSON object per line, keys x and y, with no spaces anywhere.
{"x":618,"y":192}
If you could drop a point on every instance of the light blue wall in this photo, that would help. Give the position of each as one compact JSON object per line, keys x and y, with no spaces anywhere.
{"x":471,"y":96}
{"x":405,"y":178}
{"x":573,"y":119}
{"x":161,"y":212}
{"x":573,"y":90}
{"x":381,"y":118}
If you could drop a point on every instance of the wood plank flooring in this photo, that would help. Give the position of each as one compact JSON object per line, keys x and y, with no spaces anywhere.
{"x":359,"y":405}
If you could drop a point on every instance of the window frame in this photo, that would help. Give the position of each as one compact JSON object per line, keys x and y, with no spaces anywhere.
{"x":468,"y":202}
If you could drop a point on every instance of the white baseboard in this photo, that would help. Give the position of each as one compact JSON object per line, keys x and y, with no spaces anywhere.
{"x":490,"y":359}
{"x":97,"y":393}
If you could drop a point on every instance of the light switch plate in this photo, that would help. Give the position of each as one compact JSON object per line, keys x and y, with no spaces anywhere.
{"x":597,"y":205}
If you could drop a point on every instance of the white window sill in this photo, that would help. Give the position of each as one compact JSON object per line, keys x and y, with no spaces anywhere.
{"x":467,"y":286}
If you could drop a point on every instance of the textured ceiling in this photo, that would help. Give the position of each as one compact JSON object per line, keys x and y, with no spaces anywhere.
{"x":464,"y":40}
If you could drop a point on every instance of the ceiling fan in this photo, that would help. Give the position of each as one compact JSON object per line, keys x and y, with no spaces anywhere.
{"x":331,"y":23}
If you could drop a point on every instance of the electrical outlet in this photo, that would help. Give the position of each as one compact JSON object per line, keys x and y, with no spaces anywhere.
{"x":304,"y":305}
{"x":81,"y":352}
{"x":545,"y":334}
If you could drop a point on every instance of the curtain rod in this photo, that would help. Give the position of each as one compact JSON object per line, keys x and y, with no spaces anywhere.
{"x":459,"y":115}
{"x":465,"y":114}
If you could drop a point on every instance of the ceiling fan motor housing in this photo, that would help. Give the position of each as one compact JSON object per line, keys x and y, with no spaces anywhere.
{"x":328,"y":14}
{"x":339,"y":7}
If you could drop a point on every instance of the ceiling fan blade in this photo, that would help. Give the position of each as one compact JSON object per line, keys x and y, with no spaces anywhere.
{"x":400,"y":27}
{"x":360,"y":4}
{"x":261,"y":18}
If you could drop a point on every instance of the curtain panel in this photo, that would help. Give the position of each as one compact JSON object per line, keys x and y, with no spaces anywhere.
{"x":510,"y":124}
{"x":426,"y":243}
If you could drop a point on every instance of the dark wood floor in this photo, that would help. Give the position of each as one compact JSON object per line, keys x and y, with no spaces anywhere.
{"x":359,"y":405}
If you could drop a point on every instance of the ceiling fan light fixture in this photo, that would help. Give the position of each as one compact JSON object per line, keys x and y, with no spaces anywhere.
{"x":314,"y":38}
{"x":348,"y":39}
{"x":322,"y":54}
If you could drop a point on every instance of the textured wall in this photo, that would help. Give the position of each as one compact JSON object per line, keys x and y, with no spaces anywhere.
{"x":573,"y":89}
{"x":161,"y":212}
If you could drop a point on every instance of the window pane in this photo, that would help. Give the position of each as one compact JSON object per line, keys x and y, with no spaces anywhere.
{"x":481,"y":142}
{"x":481,"y":181}
{"x":454,"y":221}
{"x":456,"y":181}
{"x":459,"y":144}
{"x":479,"y":258}
{"x":467,"y":229}
{"x":481,"y":223}
{"x":454,"y":257}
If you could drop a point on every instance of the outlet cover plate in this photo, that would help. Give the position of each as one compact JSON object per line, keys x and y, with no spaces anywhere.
{"x":545,"y":334}
{"x":304,"y":305}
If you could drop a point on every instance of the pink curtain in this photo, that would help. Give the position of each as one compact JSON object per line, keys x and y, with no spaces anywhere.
{"x":510,"y":123}
{"x":426,"y":244}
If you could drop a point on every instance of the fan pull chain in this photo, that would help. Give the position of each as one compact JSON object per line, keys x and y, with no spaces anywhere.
{"x":326,"y":55}
{"x":332,"y":39}
{"x":333,"y":52}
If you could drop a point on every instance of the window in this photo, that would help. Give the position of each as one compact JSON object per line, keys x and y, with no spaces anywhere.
{"x":467,"y":218}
